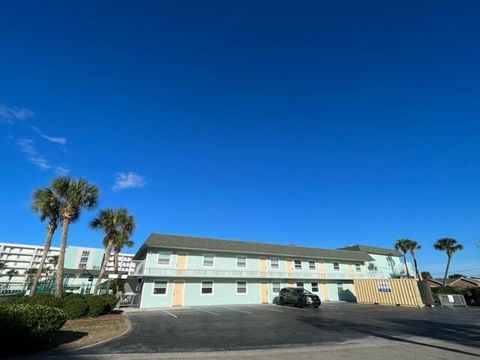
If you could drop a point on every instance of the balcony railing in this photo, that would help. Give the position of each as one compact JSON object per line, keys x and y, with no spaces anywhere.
{"x":141,"y":270}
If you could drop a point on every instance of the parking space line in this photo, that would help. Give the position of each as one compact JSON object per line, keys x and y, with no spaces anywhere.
{"x":266,"y":308}
{"x":243,"y":311}
{"x":293,"y":307}
{"x":169,"y":313}
{"x":208,"y":312}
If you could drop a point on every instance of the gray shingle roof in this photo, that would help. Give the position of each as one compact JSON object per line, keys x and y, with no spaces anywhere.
{"x":372,"y":250}
{"x":236,"y":246}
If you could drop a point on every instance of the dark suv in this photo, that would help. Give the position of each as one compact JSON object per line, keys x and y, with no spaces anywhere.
{"x":299,"y":297}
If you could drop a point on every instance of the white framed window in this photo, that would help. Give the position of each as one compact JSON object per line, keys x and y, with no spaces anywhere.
{"x":160,"y":288}
{"x":314,"y":286}
{"x":164,"y":258}
{"x":300,"y":284}
{"x":274,"y":263}
{"x":83,"y":259}
{"x":241,"y":287}
{"x":340,"y":286}
{"x":336,"y":266}
{"x":276,"y":286}
{"x":298,"y":264}
{"x":207,"y":287}
{"x":311,"y":265}
{"x":208,"y":260}
{"x":358,"y":267}
{"x":241,"y":261}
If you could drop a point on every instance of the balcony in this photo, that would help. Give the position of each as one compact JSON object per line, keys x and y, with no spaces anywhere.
{"x":141,"y":270}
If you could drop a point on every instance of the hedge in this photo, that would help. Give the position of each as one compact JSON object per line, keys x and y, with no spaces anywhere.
{"x":75,"y":306}
{"x":32,"y":323}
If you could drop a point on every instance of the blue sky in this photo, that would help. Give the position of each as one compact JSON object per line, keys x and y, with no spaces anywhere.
{"x":315,"y":123}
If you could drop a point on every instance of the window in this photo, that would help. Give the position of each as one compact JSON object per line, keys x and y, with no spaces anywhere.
{"x":207,"y":288}
{"x":274,"y":263}
{"x":358,"y":267}
{"x":241,"y":287}
{"x":336,"y":266}
{"x":340,"y":287}
{"x":311,"y":265}
{"x":160,"y":287}
{"x":241,"y":261}
{"x":300,"y":284}
{"x":314,"y":286}
{"x":276,"y":286}
{"x":83,"y":260}
{"x":298,"y":264}
{"x":164,"y":258}
{"x":208,"y":260}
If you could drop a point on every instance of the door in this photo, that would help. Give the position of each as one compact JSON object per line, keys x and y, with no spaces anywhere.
{"x":181,"y":263}
{"x":264,"y":292}
{"x":178,"y":288}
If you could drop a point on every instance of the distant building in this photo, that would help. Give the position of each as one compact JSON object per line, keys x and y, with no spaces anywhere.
{"x":80,"y":263}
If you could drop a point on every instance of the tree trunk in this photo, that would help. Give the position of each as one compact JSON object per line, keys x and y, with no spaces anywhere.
{"x":46,"y":247}
{"x":406,"y":267}
{"x":106,"y":257}
{"x":61,"y":259}
{"x":419,"y":276}
{"x":446,"y":271}
{"x":115,"y":260}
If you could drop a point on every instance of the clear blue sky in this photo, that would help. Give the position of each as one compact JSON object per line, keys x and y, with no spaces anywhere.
{"x":313,"y":123}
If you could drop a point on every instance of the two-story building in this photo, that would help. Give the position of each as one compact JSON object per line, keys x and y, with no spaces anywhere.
{"x":172,"y":270}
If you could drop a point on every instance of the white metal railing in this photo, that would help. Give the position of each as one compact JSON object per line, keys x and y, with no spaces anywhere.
{"x":141,"y":270}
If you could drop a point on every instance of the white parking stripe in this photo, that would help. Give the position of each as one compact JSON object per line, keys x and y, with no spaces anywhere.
{"x":208,"y":312}
{"x":169,"y":313}
{"x":243,"y":311}
{"x":293,"y":307}
{"x":266,"y":308}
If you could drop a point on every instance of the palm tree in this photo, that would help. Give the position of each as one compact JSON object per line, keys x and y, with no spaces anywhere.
{"x":413,"y":246}
{"x":402,"y":245}
{"x":117,"y":224}
{"x":46,"y":204}
{"x":450,"y":246}
{"x":73,"y":196}
{"x":426,"y":275}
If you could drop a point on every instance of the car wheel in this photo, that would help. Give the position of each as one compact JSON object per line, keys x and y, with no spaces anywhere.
{"x":300,"y":303}
{"x":281,"y":301}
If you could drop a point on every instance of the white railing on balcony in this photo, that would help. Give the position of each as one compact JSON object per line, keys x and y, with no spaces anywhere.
{"x":141,"y":270}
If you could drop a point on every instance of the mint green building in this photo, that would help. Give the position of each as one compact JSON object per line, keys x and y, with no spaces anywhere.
{"x":172,"y":270}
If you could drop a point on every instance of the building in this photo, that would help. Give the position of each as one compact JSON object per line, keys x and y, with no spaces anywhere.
{"x":172,"y":270}
{"x":80,"y":263}
{"x":461,"y":282}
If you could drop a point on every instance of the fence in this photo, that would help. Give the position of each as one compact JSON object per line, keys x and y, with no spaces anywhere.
{"x":450,"y":300}
{"x":402,"y":292}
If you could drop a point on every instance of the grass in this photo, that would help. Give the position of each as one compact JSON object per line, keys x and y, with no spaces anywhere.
{"x":83,"y":332}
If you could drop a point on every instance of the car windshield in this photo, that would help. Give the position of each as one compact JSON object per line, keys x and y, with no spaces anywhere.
{"x":302,"y":291}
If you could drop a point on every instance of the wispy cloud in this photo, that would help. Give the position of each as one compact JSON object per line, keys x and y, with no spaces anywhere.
{"x":10,"y":114}
{"x":28,"y":147}
{"x":128,"y":180}
{"x":61,"y":171}
{"x":53,"y":139}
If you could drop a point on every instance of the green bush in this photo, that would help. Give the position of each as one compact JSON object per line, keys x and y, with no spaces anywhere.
{"x":111,"y":301}
{"x":446,"y":289}
{"x":45,"y":299}
{"x":30,"y":325}
{"x":96,"y":305}
{"x":75,"y":306}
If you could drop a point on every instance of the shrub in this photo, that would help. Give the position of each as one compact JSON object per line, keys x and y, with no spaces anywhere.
{"x":75,"y":306}
{"x":30,"y":325}
{"x":446,"y":289}
{"x":45,"y":299}
{"x":96,"y":305}
{"x":111,"y":301}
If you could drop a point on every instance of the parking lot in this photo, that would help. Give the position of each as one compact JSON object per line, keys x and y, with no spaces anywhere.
{"x":456,"y":332}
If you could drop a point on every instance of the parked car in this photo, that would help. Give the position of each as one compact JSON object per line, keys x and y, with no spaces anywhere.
{"x":298,"y":297}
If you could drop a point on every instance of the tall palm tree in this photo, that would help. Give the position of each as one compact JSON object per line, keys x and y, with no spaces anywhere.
{"x":413,"y":246}
{"x":46,"y":204}
{"x":402,"y":245}
{"x":74,"y":195}
{"x":115,"y":224}
{"x":450,"y":246}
